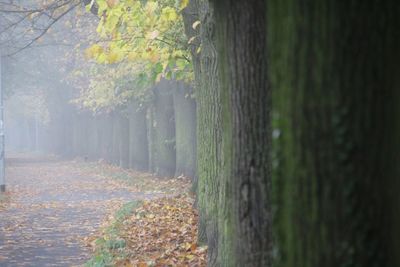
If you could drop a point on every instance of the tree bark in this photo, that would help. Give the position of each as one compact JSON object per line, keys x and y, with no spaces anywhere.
{"x":123,"y":141}
{"x":107,"y":137}
{"x":138,"y":143}
{"x":336,"y":127}
{"x":209,"y":131}
{"x":116,"y":136}
{"x":164,"y":123}
{"x":185,"y":130}
{"x":245,"y":208}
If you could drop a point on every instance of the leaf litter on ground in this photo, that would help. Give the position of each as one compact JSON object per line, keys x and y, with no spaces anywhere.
{"x":157,"y":232}
{"x":158,"y":229}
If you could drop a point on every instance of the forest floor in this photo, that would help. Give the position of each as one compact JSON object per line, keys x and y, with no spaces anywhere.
{"x":72,"y":213}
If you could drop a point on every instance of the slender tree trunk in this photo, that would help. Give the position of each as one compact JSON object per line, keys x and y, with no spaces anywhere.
{"x":336,"y":127}
{"x":151,"y":137}
{"x":107,"y":137}
{"x":85,"y":134}
{"x":124,"y":141}
{"x":245,"y":208}
{"x":116,"y":136}
{"x":92,"y":137}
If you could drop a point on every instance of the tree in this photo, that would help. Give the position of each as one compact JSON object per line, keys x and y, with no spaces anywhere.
{"x":208,"y":122}
{"x":336,"y":127}
{"x":245,"y":217}
{"x":185,"y":129}
{"x":139,"y":147}
{"x":164,"y":130}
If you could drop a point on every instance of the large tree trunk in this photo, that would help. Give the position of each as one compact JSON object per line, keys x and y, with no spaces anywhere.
{"x":185,"y":130}
{"x":337,"y":126}
{"x":245,"y":209}
{"x":208,"y":122}
{"x":209,"y":133}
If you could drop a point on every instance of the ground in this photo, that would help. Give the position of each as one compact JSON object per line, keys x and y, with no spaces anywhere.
{"x":54,"y":210}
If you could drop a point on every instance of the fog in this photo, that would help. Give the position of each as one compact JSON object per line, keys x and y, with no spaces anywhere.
{"x":195,"y":132}
{"x":60,"y":100}
{"x":39,"y":83}
{"x":94,"y":123}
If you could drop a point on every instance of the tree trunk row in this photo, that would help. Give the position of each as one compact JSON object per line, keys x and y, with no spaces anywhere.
{"x":306,"y":127}
{"x":159,"y":136}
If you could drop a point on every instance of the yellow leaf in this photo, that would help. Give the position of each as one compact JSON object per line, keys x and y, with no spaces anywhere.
{"x":195,"y":24}
{"x":188,"y":256}
{"x":113,"y":57}
{"x":184,"y":3}
{"x":169,"y":14}
{"x":191,"y":39}
{"x":94,"y":51}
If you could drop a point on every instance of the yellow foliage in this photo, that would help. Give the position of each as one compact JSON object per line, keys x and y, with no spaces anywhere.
{"x":151,"y":7}
{"x":184,"y":4}
{"x":113,"y":57}
{"x":169,"y":14}
{"x":149,"y":33}
{"x":94,"y":51}
{"x":152,"y":35}
{"x":132,"y":56}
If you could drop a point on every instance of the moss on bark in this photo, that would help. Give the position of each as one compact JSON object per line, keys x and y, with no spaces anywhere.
{"x":334,"y":113}
{"x":245,"y":208}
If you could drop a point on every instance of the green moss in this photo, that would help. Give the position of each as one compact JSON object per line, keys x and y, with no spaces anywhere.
{"x":326,"y":110}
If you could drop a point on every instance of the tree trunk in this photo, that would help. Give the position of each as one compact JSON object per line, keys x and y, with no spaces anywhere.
{"x":107,"y":137}
{"x":190,"y":15}
{"x":124,"y":141}
{"x":151,"y":136}
{"x":164,"y":129}
{"x":208,"y":133}
{"x":336,"y":127}
{"x":138,"y":143}
{"x":116,"y":136}
{"x":185,"y":130}
{"x":93,"y":140}
{"x":245,"y":209}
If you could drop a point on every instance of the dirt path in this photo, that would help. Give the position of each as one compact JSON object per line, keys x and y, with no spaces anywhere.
{"x":53,"y":205}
